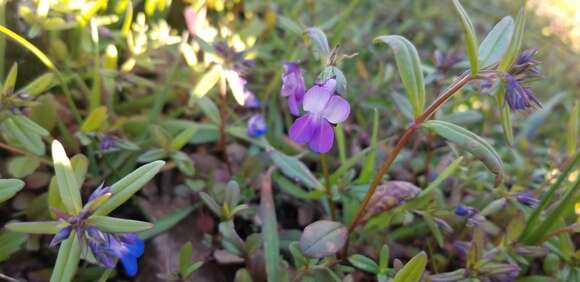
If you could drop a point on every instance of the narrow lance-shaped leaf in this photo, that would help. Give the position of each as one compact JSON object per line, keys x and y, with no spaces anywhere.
{"x":409,"y":66}
{"x":207,"y":82}
{"x":470,"y":37}
{"x":68,"y":185}
{"x":10,"y":80}
{"x":413,"y":270}
{"x":125,"y":188}
{"x":515,"y":44}
{"x":26,"y":44}
{"x":295,"y":169}
{"x":270,"y":227}
{"x":38,"y":227}
{"x":319,"y":40}
{"x":496,"y":43}
{"x":9,"y":188}
{"x":67,"y":260}
{"x":470,"y":142}
{"x":118,"y":225}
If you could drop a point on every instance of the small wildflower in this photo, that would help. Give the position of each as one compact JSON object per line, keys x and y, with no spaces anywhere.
{"x":462,"y":210}
{"x":527,"y":198}
{"x":106,"y":143}
{"x":257,"y":126}
{"x":323,"y":108}
{"x":127,"y":247}
{"x":519,"y":97}
{"x":250,"y":100}
{"x":293,"y":86}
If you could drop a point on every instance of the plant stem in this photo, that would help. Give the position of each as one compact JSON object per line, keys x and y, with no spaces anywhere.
{"x":441,"y":99}
{"x":223,"y":104}
{"x":327,"y":186}
{"x":25,"y":153}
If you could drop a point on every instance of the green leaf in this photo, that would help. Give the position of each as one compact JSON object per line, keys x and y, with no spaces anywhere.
{"x":231,"y":240}
{"x":470,"y":142}
{"x":323,"y":238}
{"x":40,"y":84}
{"x":68,"y":185}
{"x":384,"y":259}
{"x":80,"y":165}
{"x":129,"y":185}
{"x":27,"y":139}
{"x":95,"y":120}
{"x":496,"y":43}
{"x":118,"y":225}
{"x":448,"y":171}
{"x":572,"y":132}
{"x":318,"y":40}
{"x":470,"y":37}
{"x":184,"y":163}
{"x":26,"y":44}
{"x":22,"y":166}
{"x":67,"y":260}
{"x":191,"y":269}
{"x":296,"y":191}
{"x":182,"y":138}
{"x":409,"y":66}
{"x":211,"y":204}
{"x":167,"y":222}
{"x":28,"y":125}
{"x":208,"y":107}
{"x":10,"y":243}
{"x":269,"y":228}
{"x":363,"y":263}
{"x":185,"y":254}
{"x":515,"y":44}
{"x":207,"y":82}
{"x":295,"y":169}
{"x":413,"y":270}
{"x":289,"y":25}
{"x":10,"y":80}
{"x":152,"y":155}
{"x":37,"y":227}
{"x":9,"y":188}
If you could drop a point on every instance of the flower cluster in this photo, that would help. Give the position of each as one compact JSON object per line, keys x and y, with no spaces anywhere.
{"x":105,"y":247}
{"x":322,"y":107}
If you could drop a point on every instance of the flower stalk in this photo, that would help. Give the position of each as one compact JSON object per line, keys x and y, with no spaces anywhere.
{"x":327,"y":186}
{"x":441,"y":99}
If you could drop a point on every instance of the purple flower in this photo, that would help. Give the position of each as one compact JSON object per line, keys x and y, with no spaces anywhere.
{"x":527,"y":198}
{"x":257,"y":126}
{"x":60,"y":236}
{"x":250,"y":100}
{"x":323,"y":108}
{"x":100,"y":191}
{"x":106,"y":246}
{"x":519,"y":97}
{"x":293,"y":86}
{"x":462,"y":210}
{"x":106,"y":143}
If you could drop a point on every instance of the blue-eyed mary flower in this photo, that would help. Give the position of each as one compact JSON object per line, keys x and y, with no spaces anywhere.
{"x":323,"y":108}
{"x":519,"y":97}
{"x":293,"y":86}
{"x":257,"y":126}
{"x":106,"y":247}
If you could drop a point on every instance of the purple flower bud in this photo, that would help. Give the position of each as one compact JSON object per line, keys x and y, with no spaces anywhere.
{"x":100,"y":191}
{"x":323,"y":108}
{"x":60,"y":236}
{"x":527,"y":198}
{"x":462,"y":210}
{"x":519,"y":97}
{"x":293,"y":86}
{"x":251,"y":101}
{"x":106,"y":143}
{"x":257,"y":126}
{"x":443,"y":225}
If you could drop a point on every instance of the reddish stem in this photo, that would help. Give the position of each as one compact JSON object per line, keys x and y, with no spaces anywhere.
{"x":441,"y":99}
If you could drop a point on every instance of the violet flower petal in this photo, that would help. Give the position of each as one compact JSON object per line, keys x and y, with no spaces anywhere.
{"x":337,"y":110}
{"x":304,"y":128}
{"x":323,"y":138}
{"x":316,"y":99}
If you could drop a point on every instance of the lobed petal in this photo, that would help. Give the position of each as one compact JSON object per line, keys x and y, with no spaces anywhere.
{"x":323,"y":138}
{"x":337,"y":110}
{"x":316,"y":99}
{"x":304,"y":128}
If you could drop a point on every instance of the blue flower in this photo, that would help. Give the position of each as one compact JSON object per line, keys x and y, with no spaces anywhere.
{"x":257,"y":126}
{"x":127,"y":247}
{"x":462,"y":210}
{"x":527,"y":198}
{"x":106,"y":143}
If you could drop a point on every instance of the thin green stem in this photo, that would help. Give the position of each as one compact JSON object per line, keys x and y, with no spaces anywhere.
{"x":327,"y":186}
